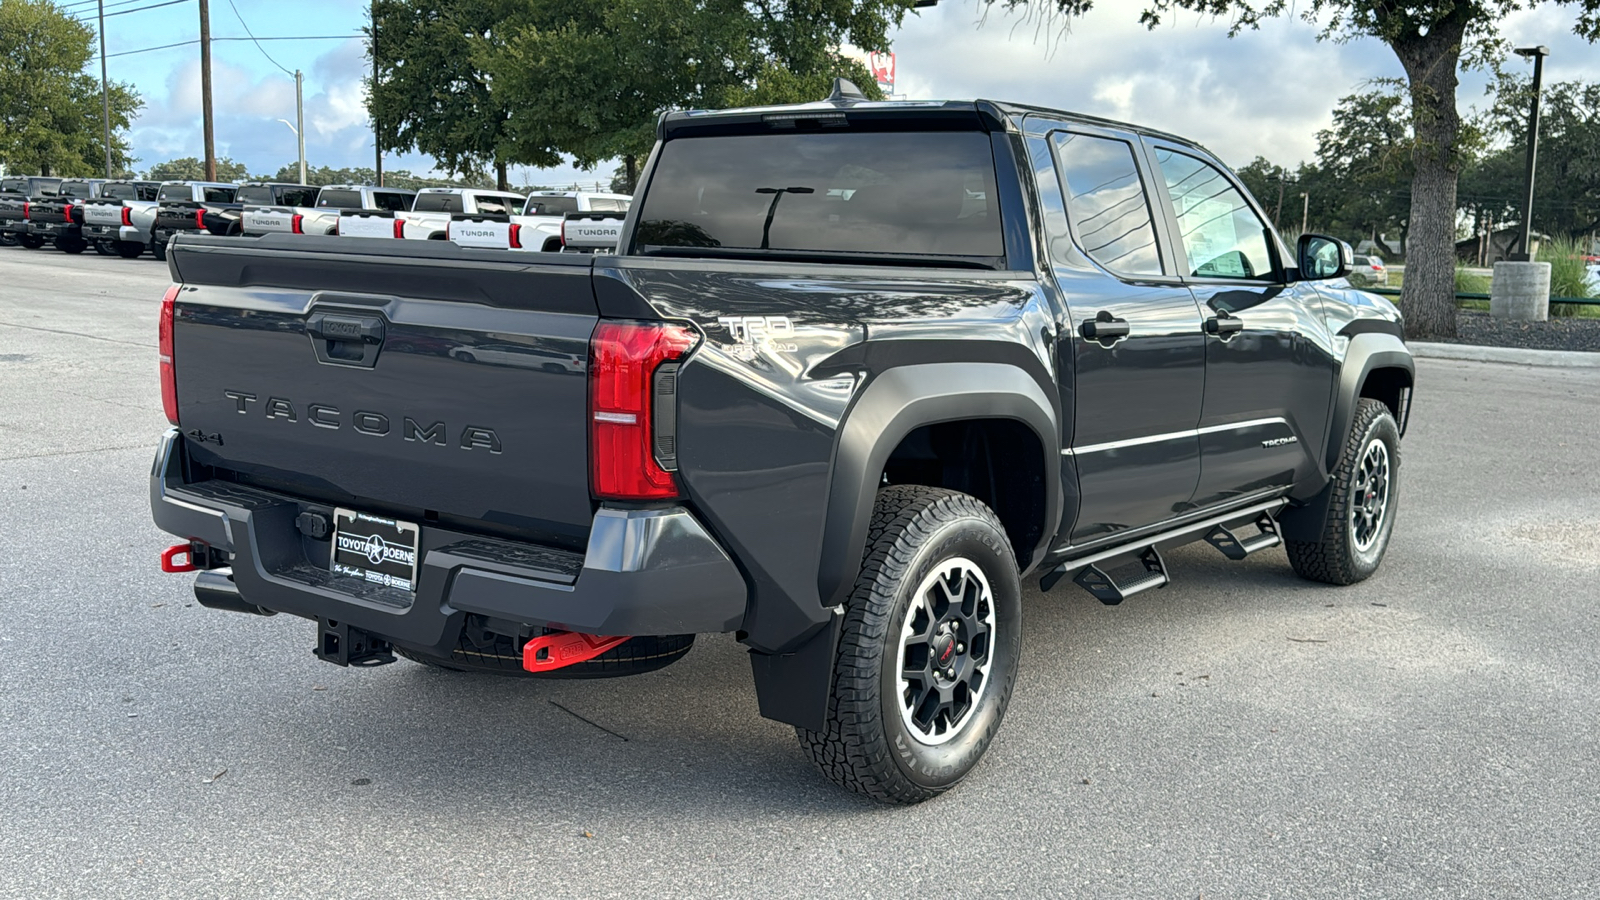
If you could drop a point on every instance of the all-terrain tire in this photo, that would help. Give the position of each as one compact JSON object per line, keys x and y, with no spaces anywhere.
{"x":127,"y":249}
{"x":1340,"y":556}
{"x":918,"y":537}
{"x":499,"y":654}
{"x":158,"y":250}
{"x":73,"y":246}
{"x":31,"y":241}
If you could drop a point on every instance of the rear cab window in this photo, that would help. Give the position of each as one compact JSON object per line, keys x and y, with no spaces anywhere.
{"x":176,"y":192}
{"x":76,"y":189}
{"x":120,"y":192}
{"x":220,"y":194}
{"x":449,"y":203}
{"x":296,"y":196}
{"x":327,"y":199}
{"x":252,"y":195}
{"x":894,"y":196}
{"x":550,"y":206}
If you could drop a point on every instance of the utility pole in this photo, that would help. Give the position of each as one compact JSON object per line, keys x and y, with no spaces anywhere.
{"x":105,"y":95}
{"x":205,"y":89}
{"x":377,"y":142}
{"x":1537,"y":54}
{"x":300,"y":120}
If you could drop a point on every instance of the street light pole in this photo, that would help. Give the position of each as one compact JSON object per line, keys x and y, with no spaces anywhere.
{"x":300,"y":120}
{"x":1537,"y":54}
{"x":105,"y":96}
{"x":1305,"y":210}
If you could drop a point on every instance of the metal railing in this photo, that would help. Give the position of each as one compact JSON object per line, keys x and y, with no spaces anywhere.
{"x":1570,"y":301}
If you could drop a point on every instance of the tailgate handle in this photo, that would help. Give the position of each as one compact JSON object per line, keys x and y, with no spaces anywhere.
{"x":346,"y":339}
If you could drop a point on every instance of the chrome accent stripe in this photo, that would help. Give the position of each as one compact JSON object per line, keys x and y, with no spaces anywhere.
{"x":1172,"y":436}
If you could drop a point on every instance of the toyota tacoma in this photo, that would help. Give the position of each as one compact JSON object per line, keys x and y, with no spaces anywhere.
{"x":856,"y":372}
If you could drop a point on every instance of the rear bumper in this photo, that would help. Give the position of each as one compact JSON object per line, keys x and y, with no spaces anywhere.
{"x":14,"y":226}
{"x":55,"y":229}
{"x":115,"y":233}
{"x":645,"y":571}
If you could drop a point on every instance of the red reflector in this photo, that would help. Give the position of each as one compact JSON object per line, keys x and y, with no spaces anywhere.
{"x":516,"y":236}
{"x":400,"y":228}
{"x":127,"y":216}
{"x":623,"y":361}
{"x":565,"y":648}
{"x":169,"y":377}
{"x":200,"y":219}
{"x":295,"y":224}
{"x":169,"y":559}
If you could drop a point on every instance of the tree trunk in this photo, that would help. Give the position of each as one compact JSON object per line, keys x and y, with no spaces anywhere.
{"x":630,"y":165}
{"x":500,"y":181}
{"x":1430,"y":60}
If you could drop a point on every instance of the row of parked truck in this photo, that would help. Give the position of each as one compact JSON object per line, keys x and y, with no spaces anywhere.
{"x":129,"y":218}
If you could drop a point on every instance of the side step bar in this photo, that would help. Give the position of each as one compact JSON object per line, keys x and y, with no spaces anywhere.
{"x":1090,"y":571}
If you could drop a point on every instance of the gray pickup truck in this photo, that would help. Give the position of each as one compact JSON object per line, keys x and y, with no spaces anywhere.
{"x":856,"y":371}
{"x":123,"y":218}
{"x":17,"y":194}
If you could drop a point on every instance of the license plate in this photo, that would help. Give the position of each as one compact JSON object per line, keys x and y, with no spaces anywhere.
{"x":374,"y":549}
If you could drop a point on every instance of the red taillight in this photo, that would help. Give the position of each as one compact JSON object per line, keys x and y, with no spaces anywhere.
{"x":1377,"y":267}
{"x":127,"y":216}
{"x":169,"y":378}
{"x":200,"y":219}
{"x":627,"y":393}
{"x":400,"y":228}
{"x":563,"y":232}
{"x":27,"y":208}
{"x":296,"y":224}
{"x":516,"y":236}
{"x":66,"y":213}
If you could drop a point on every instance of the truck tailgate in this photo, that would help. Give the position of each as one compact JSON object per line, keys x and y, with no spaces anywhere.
{"x":421,"y":381}
{"x":102,"y":212}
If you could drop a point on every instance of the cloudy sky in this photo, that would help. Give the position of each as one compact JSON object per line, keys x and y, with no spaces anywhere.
{"x":1265,"y":92}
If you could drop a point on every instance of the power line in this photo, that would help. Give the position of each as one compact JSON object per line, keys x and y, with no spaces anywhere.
{"x":309,"y":37}
{"x":263,"y":50}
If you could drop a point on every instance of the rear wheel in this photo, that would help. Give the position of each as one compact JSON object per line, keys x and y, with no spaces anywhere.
{"x":31,"y":241}
{"x":1361,"y":510}
{"x":72,"y":245}
{"x":128,"y":249}
{"x":929,"y":650}
{"x":158,"y":250}
{"x":7,"y":239}
{"x":105,"y":248}
{"x":497,"y":654}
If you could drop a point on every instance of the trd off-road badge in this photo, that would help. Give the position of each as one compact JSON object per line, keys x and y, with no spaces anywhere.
{"x":752,"y":334}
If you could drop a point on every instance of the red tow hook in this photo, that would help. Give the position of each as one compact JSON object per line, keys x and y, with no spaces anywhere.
{"x":170,"y":556}
{"x":560,"y":649}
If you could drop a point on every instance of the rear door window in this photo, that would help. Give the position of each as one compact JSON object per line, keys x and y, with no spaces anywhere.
{"x":1107,"y":203}
{"x":840,"y":193}
{"x":297,"y":196}
{"x":392,"y":201}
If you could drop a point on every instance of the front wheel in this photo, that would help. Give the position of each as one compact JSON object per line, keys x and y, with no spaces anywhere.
{"x":1361,"y":509}
{"x":929,"y":650}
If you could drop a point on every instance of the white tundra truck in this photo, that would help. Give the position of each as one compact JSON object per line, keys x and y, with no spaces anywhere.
{"x":538,"y":227}
{"x":319,"y":213}
{"x":429,"y":218}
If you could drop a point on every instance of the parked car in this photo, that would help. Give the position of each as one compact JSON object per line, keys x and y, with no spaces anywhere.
{"x":536,"y":225}
{"x":321,"y":215}
{"x":429,"y":216}
{"x":121,"y":220}
{"x":856,"y":371}
{"x":1368,"y":270}
{"x":194,"y":207}
{"x":59,"y":219}
{"x":17,"y":192}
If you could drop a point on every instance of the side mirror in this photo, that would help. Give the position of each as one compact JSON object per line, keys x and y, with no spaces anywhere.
{"x":1321,"y":257}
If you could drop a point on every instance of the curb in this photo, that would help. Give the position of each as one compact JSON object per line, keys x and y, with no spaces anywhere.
{"x":1560,"y":359}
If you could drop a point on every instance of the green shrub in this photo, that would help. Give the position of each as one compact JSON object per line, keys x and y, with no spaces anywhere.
{"x":1565,"y":257}
{"x":1471,"y":282}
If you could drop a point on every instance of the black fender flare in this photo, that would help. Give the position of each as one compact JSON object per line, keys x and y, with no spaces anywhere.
{"x":893,"y":404}
{"x":1368,"y":352}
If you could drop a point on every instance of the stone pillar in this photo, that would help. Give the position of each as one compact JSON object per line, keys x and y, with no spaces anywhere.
{"x":1521,"y":291}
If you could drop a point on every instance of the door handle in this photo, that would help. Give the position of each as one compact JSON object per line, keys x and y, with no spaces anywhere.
{"x":1224,"y":325}
{"x":1104,"y":327}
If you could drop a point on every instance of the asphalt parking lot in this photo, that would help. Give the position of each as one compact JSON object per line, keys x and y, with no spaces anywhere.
{"x":1428,"y":733}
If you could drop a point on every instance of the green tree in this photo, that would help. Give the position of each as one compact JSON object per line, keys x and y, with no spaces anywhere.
{"x":1431,"y":39}
{"x":1567,"y":187}
{"x":189,"y":168}
{"x":50,"y":111}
